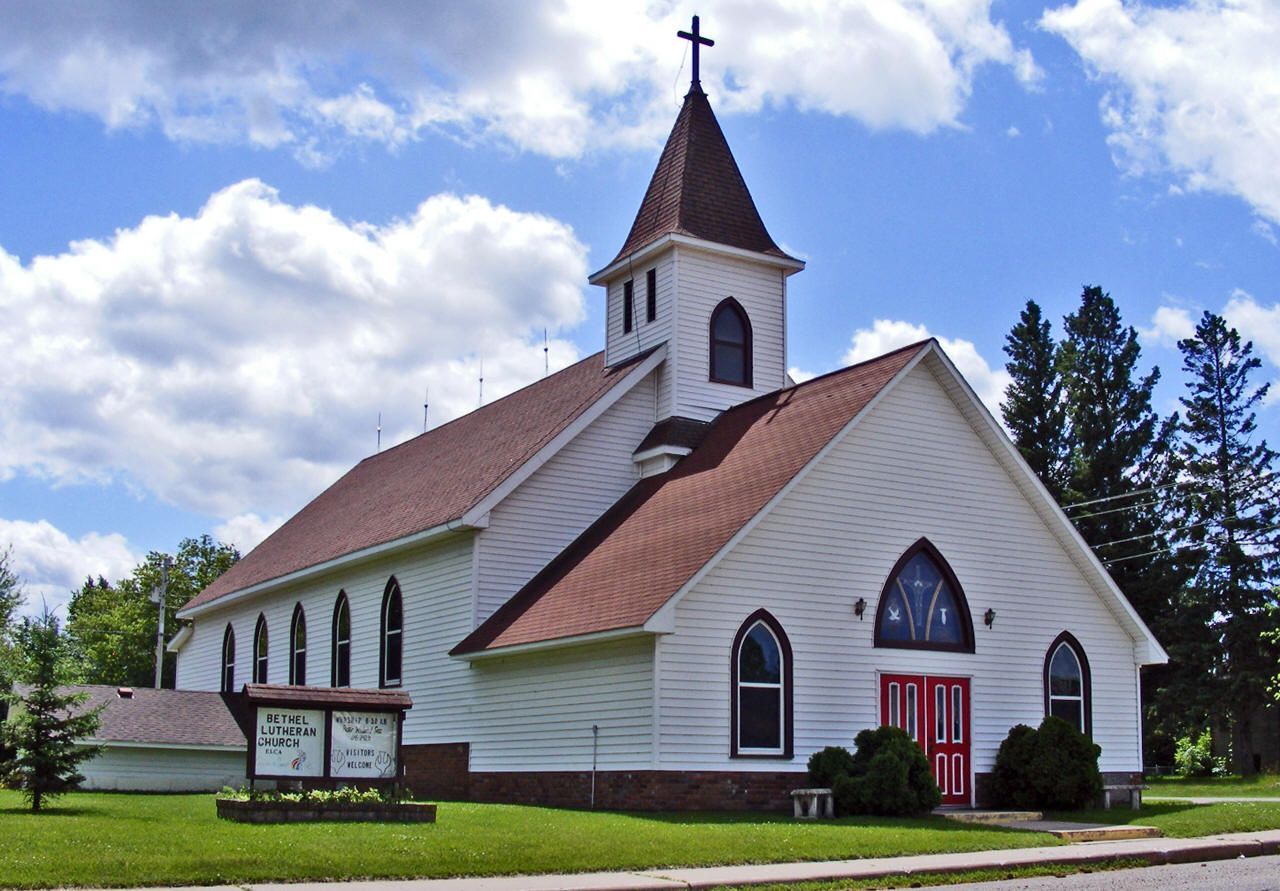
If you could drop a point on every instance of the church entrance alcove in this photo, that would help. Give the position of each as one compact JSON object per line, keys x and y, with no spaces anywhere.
{"x":934,"y":712}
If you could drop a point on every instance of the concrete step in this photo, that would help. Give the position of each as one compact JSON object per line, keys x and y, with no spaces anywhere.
{"x":1085,"y":832}
{"x":987,"y":817}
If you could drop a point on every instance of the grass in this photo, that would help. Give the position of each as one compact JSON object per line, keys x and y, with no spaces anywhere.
{"x":928,"y":879}
{"x":1259,"y":786}
{"x":1183,"y":820}
{"x":122,"y":840}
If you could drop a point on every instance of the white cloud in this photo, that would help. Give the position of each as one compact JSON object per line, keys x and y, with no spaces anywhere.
{"x":1193,"y":89}
{"x":1266,"y":231}
{"x":1260,"y":324}
{"x":885,"y":335}
{"x":246,"y":531}
{"x":1169,"y":324}
{"x":1013,"y":132}
{"x":233,"y":361}
{"x":51,"y":564}
{"x":556,"y":78}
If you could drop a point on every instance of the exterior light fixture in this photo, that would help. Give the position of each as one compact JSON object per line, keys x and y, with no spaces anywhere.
{"x":989,"y":617}
{"x":860,"y":607}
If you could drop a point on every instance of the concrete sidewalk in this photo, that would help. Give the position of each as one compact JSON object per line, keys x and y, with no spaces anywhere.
{"x":1154,"y":851}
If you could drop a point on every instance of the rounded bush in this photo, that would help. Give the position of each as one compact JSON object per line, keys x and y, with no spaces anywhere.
{"x":826,"y":765}
{"x":889,"y":776}
{"x":1054,"y":767}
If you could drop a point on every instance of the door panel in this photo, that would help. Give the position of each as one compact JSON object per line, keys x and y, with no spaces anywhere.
{"x":934,"y":711}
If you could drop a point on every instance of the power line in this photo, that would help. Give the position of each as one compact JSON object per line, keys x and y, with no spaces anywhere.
{"x":1079,"y":504}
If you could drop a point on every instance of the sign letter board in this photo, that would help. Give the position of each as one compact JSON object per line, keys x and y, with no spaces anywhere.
{"x":289,"y":742}
{"x":362,"y":744}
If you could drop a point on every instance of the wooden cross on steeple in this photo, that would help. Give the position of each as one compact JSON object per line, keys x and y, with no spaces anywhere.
{"x":698,"y":42}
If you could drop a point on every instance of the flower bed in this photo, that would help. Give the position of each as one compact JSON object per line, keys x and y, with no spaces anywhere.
{"x":284,"y":811}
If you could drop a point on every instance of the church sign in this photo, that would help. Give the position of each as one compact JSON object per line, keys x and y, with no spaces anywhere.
{"x":325,"y":734}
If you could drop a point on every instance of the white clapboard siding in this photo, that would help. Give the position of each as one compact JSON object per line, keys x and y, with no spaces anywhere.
{"x":703,"y":280}
{"x":535,"y":711}
{"x":912,"y":467}
{"x":644,"y":335}
{"x":138,"y":769}
{"x":560,"y":499}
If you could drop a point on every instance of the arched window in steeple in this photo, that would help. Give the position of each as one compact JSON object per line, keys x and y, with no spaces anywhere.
{"x":922,"y":606}
{"x":730,"y":334}
{"x":229,"y":660}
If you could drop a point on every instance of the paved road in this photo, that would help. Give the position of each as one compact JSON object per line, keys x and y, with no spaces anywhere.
{"x":1245,"y":874}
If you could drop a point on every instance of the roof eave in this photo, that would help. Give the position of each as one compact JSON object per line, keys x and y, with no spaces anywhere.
{"x":555,"y":643}
{"x":789,"y":265}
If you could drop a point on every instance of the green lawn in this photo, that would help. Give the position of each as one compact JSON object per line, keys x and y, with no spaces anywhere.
{"x":1262,"y":785}
{"x":132,"y":840}
{"x":1179,"y":820}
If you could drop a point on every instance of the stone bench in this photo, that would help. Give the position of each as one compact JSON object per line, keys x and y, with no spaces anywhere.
{"x":1121,"y":791}
{"x":812,"y":804}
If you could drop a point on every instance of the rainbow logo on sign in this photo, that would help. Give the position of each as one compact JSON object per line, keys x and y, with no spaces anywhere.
{"x":296,"y":763}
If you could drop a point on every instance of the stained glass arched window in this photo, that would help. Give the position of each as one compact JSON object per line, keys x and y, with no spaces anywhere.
{"x":922,"y":606}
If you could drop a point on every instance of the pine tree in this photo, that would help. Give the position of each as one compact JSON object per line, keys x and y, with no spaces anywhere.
{"x":1230,"y":513}
{"x":1033,"y":409}
{"x":47,"y":723}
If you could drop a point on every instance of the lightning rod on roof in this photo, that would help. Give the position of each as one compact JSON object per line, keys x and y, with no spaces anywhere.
{"x":426,"y":402}
{"x":546,"y":355}
{"x":379,"y":431}
{"x":481,"y":382}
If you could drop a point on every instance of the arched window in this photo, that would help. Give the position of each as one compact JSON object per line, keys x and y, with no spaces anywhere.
{"x":1066,"y":683}
{"x":341,"y":674}
{"x":298,"y":647}
{"x":760,"y":677}
{"x":229,"y":660}
{"x":922,"y":605}
{"x":392,"y":635}
{"x":730,"y":344}
{"x":260,"y":651}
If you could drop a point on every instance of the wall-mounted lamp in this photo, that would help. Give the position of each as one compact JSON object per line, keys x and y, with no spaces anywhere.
{"x":989,"y":617}
{"x":859,"y":608}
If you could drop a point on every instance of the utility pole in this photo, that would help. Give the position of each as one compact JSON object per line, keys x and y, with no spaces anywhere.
{"x":159,"y":595}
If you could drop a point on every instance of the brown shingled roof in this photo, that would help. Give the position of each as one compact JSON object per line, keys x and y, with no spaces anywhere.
{"x":167,"y":717}
{"x":427,"y":481}
{"x":623,"y":568}
{"x":697,"y":189}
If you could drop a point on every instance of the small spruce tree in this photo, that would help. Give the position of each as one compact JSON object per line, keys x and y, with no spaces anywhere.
{"x":47,"y":723}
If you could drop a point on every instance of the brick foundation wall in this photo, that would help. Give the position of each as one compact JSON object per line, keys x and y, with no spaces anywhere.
{"x":438,"y":770}
{"x":643,"y":790}
{"x":982,"y":784}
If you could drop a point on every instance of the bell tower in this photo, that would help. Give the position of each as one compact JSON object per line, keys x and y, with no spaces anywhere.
{"x":700,"y":273}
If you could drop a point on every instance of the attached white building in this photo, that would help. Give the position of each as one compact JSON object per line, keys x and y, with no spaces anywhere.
{"x":667,"y":575}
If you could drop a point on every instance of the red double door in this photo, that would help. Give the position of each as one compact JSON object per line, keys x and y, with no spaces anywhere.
{"x":934,"y":711}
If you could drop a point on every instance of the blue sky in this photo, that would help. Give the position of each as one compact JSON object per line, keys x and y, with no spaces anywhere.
{"x":232,"y":234}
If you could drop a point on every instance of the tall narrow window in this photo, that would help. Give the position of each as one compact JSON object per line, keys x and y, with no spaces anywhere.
{"x":260,"y":651}
{"x":922,"y":605}
{"x":730,"y":344}
{"x":392,"y":635}
{"x":651,"y":295}
{"x":760,"y":672}
{"x":628,"y":306}
{"x":298,"y":647}
{"x":229,"y":660}
{"x":340,"y":676}
{"x":1066,"y":683}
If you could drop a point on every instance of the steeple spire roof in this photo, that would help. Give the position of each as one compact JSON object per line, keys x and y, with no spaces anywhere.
{"x":697,"y":189}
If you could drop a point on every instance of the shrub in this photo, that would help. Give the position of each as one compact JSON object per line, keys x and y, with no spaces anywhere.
{"x":887,"y":776}
{"x":826,"y":765}
{"x":1194,"y":757}
{"x":1054,"y":767}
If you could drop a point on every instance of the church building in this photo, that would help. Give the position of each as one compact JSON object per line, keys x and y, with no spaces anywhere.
{"x":663,"y":577}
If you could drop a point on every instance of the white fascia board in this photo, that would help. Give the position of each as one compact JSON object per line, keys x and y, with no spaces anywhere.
{"x":184,"y":747}
{"x":789,"y":265}
{"x":658,"y":451}
{"x":663,"y":619}
{"x":180,"y":639}
{"x":378,"y":550}
{"x":557,"y":643}
{"x":480,"y":512}
{"x":990,"y":431}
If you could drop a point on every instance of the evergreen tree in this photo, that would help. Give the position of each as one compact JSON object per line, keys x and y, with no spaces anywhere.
{"x":47,"y":722}
{"x":11,"y":596}
{"x":1033,"y":409}
{"x":1230,"y":513}
{"x":1114,"y":447}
